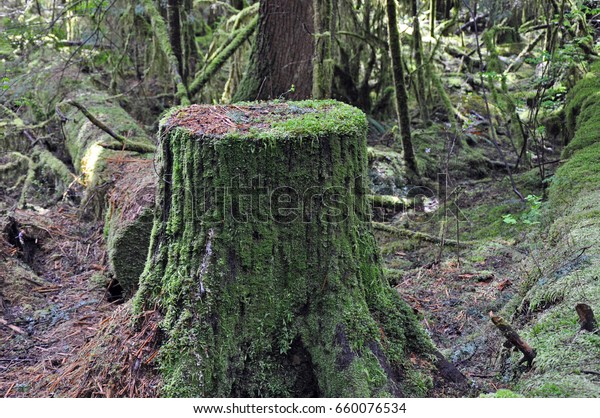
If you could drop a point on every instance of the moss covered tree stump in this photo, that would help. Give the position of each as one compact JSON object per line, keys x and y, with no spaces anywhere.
{"x":262,"y":260}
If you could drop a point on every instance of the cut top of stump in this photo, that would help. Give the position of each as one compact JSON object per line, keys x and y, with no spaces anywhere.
{"x":268,"y":120}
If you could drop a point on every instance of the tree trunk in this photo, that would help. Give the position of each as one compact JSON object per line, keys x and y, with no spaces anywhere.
{"x":281,"y":62}
{"x":263,"y":263}
{"x":322,"y":61}
{"x":400,"y":88}
{"x":418,"y":55}
{"x":174,"y":13}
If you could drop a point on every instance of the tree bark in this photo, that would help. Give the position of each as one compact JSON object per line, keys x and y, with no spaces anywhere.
{"x":281,"y":62}
{"x":400,"y":88}
{"x":161,"y":31}
{"x":174,"y":13}
{"x":418,"y":55}
{"x":262,"y":260}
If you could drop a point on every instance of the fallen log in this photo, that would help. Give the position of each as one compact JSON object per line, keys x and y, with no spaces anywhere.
{"x":116,"y":169}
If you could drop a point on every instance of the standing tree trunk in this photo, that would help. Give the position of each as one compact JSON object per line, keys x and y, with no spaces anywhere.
{"x":400,"y":88}
{"x":262,"y":261}
{"x":174,"y":13}
{"x":281,"y":62}
{"x":322,"y":62}
{"x":418,"y":54}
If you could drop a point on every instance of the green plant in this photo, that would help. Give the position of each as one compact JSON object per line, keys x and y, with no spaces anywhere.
{"x":531,"y":216}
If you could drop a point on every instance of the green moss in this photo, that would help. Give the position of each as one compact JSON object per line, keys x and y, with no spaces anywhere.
{"x":267,"y":302}
{"x":502,"y":393}
{"x":578,"y":97}
{"x":566,"y":272}
{"x":127,"y":245}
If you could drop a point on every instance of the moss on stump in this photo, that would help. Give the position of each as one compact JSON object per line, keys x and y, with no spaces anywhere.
{"x":262,"y":260}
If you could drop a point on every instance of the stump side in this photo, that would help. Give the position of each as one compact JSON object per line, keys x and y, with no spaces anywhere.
{"x":263,"y":263}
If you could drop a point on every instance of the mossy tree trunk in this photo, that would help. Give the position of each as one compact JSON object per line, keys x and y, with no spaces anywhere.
{"x":262,"y":260}
{"x":420,"y":70}
{"x":282,"y":55}
{"x":400,"y":87}
{"x":324,"y":22}
{"x":174,"y":13}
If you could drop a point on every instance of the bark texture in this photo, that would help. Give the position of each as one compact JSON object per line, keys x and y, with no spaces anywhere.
{"x":262,"y":260}
{"x":283,"y":52}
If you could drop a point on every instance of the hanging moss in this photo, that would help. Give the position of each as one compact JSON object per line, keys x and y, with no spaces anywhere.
{"x":262,"y":261}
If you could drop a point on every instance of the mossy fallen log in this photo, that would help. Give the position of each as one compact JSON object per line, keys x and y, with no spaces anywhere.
{"x":113,"y":156}
{"x":262,"y":261}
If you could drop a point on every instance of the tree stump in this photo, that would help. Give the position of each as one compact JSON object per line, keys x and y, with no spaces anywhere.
{"x":262,"y":259}
{"x":586,"y":317}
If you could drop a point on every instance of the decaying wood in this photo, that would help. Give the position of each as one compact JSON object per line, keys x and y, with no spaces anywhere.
{"x":514,"y":338}
{"x":586,"y":317}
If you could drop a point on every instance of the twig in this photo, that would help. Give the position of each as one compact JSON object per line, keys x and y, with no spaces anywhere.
{"x":9,"y":389}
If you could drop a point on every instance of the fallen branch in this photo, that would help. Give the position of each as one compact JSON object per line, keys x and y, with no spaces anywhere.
{"x":96,"y":121}
{"x":403,"y":232}
{"x":513,"y":337}
{"x":516,"y":64}
{"x":125,"y":143}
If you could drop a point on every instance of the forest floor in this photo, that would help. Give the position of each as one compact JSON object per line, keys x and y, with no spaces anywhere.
{"x":53,"y":293}
{"x":55,"y":297}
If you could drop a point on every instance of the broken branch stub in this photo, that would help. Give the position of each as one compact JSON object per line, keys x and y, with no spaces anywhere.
{"x":514,"y":338}
{"x":586,"y":317}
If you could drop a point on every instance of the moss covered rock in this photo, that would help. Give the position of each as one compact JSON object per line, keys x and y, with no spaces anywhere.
{"x":263,"y":263}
